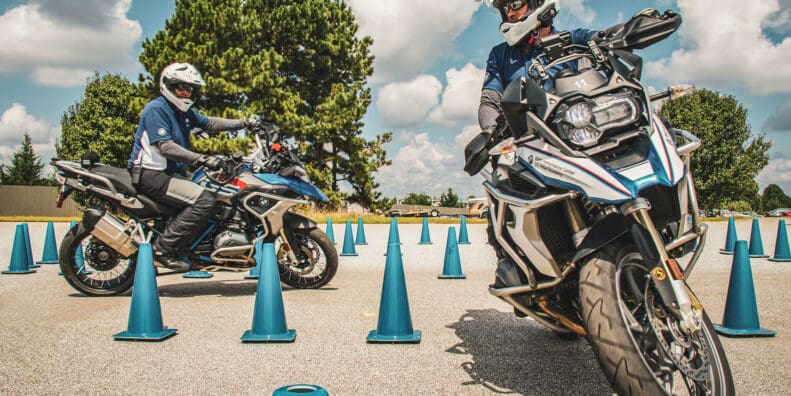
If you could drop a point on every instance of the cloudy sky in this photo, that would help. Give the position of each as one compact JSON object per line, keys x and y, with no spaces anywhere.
{"x":428,"y":70}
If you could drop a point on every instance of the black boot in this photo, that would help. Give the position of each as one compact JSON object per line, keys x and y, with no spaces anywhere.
{"x":174,"y":263}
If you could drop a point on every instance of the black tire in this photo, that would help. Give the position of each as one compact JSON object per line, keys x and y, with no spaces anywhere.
{"x":630,"y":356}
{"x":318,"y":260}
{"x":105,"y":272}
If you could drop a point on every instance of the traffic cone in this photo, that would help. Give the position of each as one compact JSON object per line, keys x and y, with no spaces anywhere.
{"x":452,"y":267}
{"x":463,"y":238}
{"x":145,"y":313}
{"x":730,"y":238}
{"x":360,"y":240}
{"x":269,"y":316}
{"x":197,"y":274}
{"x":18,"y":263}
{"x":79,"y":256}
{"x":741,"y":311}
{"x":395,"y":323}
{"x":756,"y":244}
{"x":300,"y":390}
{"x":425,"y":237}
{"x":782,"y":252}
{"x":329,"y":232}
{"x":28,"y":248}
{"x":392,"y":236}
{"x":348,"y":241}
{"x":259,"y":258}
{"x":50,"y":253}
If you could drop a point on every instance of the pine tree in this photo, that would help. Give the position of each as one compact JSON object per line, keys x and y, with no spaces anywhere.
{"x":25,"y":168}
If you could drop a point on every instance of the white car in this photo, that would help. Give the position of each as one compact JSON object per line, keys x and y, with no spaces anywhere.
{"x":778,"y":212}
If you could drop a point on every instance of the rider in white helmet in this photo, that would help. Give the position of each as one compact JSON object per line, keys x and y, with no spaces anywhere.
{"x":161,"y":153}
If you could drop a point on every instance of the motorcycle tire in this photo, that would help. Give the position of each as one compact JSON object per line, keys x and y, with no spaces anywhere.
{"x":615,"y":333}
{"x":311,"y":246}
{"x":103,"y":271}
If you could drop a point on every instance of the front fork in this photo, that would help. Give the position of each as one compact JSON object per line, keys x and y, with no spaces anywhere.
{"x":664,"y":270}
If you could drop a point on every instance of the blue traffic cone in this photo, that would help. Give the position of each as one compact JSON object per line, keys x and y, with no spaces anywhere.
{"x":392,"y":236}
{"x":145,"y":313}
{"x":463,"y":238}
{"x":300,"y":390}
{"x":360,"y":240}
{"x":197,"y":274}
{"x":782,"y":252}
{"x":79,"y":257}
{"x":18,"y":263}
{"x":452,"y":267}
{"x":329,"y":232}
{"x":425,"y":237}
{"x":28,"y":248}
{"x":348,"y":241}
{"x":50,"y":253}
{"x":269,"y":316}
{"x":730,"y":238}
{"x":741,"y":310}
{"x":756,"y":244}
{"x":395,"y":323}
{"x":259,"y":258}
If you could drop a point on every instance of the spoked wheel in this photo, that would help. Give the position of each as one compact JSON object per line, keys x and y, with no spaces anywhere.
{"x":92,"y":267}
{"x":638,"y":341}
{"x":316,"y":256}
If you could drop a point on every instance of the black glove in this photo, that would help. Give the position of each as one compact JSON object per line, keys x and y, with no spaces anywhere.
{"x":251,"y":123}
{"x":211,"y":162}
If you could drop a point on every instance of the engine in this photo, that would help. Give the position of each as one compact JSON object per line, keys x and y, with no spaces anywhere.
{"x":230,"y":238}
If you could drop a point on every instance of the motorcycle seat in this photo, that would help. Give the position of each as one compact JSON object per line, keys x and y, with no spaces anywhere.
{"x":119,"y":177}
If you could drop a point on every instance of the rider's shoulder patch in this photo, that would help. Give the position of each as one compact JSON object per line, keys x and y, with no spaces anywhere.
{"x":162,"y":132}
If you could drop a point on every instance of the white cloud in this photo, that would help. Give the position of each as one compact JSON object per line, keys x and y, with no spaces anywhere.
{"x":461,"y":97}
{"x":577,"y":10}
{"x":778,"y":172}
{"x":408,"y":103}
{"x":14,"y":122}
{"x":781,"y":20}
{"x":723,"y":43}
{"x":781,"y":119}
{"x":409,"y":35}
{"x":47,"y":39}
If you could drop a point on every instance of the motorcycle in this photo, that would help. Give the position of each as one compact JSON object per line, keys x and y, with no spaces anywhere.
{"x":592,"y":205}
{"x":254,"y":195}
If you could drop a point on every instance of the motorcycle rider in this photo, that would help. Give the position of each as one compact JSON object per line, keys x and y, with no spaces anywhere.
{"x":524,"y":23}
{"x":161,"y":153}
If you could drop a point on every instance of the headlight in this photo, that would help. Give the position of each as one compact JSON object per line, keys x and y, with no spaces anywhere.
{"x":578,"y":125}
{"x":583,"y":123}
{"x":617,"y":112}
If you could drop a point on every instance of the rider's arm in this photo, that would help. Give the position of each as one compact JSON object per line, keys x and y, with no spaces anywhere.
{"x":216,"y":124}
{"x":493,"y":87}
{"x":172,"y":151}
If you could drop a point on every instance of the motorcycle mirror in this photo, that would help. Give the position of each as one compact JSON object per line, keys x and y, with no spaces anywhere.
{"x":504,"y":147}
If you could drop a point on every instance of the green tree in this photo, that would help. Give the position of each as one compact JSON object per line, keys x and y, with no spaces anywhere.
{"x":417,"y":199}
{"x":774,"y":197}
{"x":298,"y":64}
{"x":25,"y":168}
{"x":449,"y":200}
{"x":730,"y":156}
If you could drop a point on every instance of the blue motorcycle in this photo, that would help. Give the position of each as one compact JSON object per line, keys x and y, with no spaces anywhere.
{"x":254,"y":196}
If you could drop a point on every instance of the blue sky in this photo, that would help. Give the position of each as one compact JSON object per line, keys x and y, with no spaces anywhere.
{"x":428,"y":70}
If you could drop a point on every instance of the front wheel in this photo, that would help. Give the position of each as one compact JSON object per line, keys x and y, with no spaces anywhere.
{"x":317,"y":259}
{"x":636,"y":340}
{"x":92,"y":267}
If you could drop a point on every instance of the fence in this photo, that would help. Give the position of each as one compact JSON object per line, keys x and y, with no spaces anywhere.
{"x":35,"y":201}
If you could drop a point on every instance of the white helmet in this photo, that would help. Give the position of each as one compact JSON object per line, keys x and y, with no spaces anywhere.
{"x":180,"y":73}
{"x":540,"y":13}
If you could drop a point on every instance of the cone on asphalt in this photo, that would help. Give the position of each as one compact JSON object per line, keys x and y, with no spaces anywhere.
{"x":79,"y":256}
{"x":395,"y":322}
{"x":197,"y":274}
{"x":269,"y":316}
{"x":329,"y":232}
{"x":360,"y":240}
{"x":300,"y":390}
{"x":730,"y":237}
{"x":452,"y":267}
{"x":50,"y":253}
{"x":741,"y":311}
{"x":145,"y":312}
{"x":392,"y":236}
{"x":28,"y":248}
{"x":425,"y":237}
{"x":348,"y":241}
{"x":259,"y":258}
{"x":782,"y":252}
{"x":463,"y":238}
{"x":18,"y":263}
{"x":756,"y":243}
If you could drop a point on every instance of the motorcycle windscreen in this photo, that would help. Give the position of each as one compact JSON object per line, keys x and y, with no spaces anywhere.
{"x":294,"y":184}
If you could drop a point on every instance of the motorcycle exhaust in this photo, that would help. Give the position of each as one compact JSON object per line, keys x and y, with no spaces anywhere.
{"x":110,"y":230}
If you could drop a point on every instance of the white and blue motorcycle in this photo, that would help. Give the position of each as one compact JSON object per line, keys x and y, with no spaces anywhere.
{"x":592,"y":205}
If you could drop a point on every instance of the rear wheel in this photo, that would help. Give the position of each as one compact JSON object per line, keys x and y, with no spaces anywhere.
{"x":637,"y":340}
{"x":317,"y":259}
{"x":92,"y":267}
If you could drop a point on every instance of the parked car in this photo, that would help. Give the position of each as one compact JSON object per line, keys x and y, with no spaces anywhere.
{"x":779,"y":212}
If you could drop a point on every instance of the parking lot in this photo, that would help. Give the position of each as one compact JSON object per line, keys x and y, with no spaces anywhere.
{"x":56,"y":341}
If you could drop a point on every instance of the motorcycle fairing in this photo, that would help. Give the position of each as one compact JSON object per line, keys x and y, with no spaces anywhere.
{"x":598,"y":182}
{"x":294,"y":184}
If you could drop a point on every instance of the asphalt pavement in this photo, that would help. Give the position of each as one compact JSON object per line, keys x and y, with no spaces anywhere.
{"x":54,"y":340}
